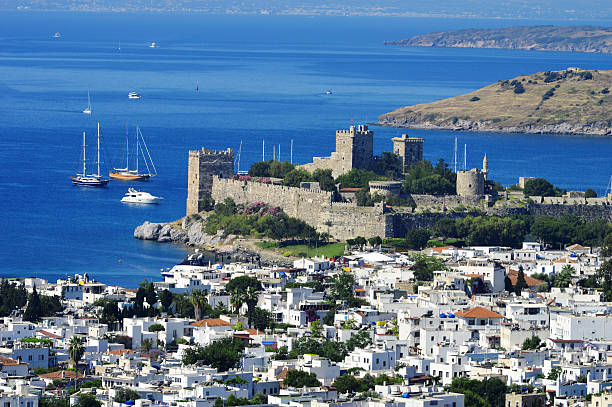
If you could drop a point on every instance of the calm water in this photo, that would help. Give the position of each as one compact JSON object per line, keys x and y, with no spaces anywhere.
{"x":260,"y":77}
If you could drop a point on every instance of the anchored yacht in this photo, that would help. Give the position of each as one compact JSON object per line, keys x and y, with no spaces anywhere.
{"x":140,"y":197}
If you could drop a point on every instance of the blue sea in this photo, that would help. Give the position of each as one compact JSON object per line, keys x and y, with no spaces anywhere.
{"x":259,"y":78}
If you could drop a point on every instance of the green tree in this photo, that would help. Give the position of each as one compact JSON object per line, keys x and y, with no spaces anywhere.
{"x":198,"y":299}
{"x":424,"y":178}
{"x":124,"y":394}
{"x":325,"y":179}
{"x":590,"y":193}
{"x":223,"y":354}
{"x":424,"y":267}
{"x":75,"y":351}
{"x":445,"y":228}
{"x":521,"y":284}
{"x":389,"y":165}
{"x":316,"y":329}
{"x":251,"y":296}
{"x":33,"y":311}
{"x":295,"y":177}
{"x":508,"y":284}
{"x":488,"y":392}
{"x":298,"y":378}
{"x":361,"y":340}
{"x":539,"y":187}
{"x":53,"y":402}
{"x":532,"y":343}
{"x":554,"y":373}
{"x":156,"y":328}
{"x":357,"y":178}
{"x":416,"y":239}
{"x":342,"y":286}
{"x":375,"y":241}
{"x":87,"y":400}
{"x":242,"y":283}
{"x":347,"y":383}
{"x":564,"y":278}
{"x":260,"y":169}
{"x":261,"y":319}
{"x":146,"y":345}
{"x":165,"y":298}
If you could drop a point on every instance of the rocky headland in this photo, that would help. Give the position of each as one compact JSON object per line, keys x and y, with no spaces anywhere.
{"x":190,"y":232}
{"x":573,"y":101}
{"x":540,"y":38}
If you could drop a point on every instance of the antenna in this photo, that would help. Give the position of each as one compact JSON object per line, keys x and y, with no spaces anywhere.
{"x":465,"y":157}
{"x":263,"y":150}
{"x":291,"y":151}
{"x":273,"y":153}
{"x":279,"y":152}
{"x":455,"y":154}
{"x":609,"y":188}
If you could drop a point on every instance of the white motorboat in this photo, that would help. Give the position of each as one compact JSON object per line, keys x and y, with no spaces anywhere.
{"x":140,"y":197}
{"x":134,"y":95}
{"x":57,"y":35}
{"x":153,"y":45}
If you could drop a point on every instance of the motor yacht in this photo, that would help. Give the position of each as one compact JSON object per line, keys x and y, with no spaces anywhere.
{"x":140,"y":197}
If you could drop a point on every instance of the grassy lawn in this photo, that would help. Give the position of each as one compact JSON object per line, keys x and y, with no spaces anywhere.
{"x":302,"y":250}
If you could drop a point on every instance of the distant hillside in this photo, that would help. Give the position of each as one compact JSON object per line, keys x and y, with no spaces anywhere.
{"x":542,"y":37}
{"x":570,"y":102}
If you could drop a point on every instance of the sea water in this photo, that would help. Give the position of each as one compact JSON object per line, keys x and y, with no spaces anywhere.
{"x":259,"y":78}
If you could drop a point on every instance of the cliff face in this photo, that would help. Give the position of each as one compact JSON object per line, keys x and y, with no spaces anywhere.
{"x":573,"y":101}
{"x":543,"y":38}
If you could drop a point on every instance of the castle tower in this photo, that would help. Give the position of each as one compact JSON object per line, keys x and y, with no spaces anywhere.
{"x":470,"y":183}
{"x":354,"y":149}
{"x":203,"y":164}
{"x":485,"y":167}
{"x":409,"y":150}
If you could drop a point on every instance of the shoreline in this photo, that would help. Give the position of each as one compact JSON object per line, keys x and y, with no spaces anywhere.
{"x":557,"y":129}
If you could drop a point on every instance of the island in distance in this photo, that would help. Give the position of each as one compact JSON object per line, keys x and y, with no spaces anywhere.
{"x":573,"y":101}
{"x":541,"y":37}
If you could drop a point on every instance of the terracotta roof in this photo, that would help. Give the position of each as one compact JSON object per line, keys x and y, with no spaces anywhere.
{"x":474,"y":275}
{"x":531,"y":282}
{"x":8,"y":361}
{"x":565,"y":261}
{"x":212,"y":322}
{"x":282,"y":375}
{"x":576,"y":247}
{"x":49,"y":334}
{"x":254,"y":331}
{"x":243,"y":336}
{"x":441,"y":249}
{"x":567,"y":340}
{"x":120,"y":352}
{"x":63,"y":374}
{"x":478,"y":312}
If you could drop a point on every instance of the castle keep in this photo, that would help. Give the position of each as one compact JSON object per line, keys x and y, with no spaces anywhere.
{"x":408,"y":149}
{"x":354,"y":149}
{"x":203,"y":165}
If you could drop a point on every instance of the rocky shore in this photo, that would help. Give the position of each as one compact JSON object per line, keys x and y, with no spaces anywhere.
{"x":413,"y":122}
{"x":191,"y":233}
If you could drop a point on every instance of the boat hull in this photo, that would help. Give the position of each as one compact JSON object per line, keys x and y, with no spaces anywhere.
{"x":89,"y":182}
{"x":122,"y":176}
{"x":146,"y":201}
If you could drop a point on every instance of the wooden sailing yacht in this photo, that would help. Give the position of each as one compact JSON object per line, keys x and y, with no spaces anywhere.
{"x":91,"y":180}
{"x":125,"y":174}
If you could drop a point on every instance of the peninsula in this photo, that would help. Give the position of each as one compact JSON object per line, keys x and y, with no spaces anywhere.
{"x":572,"y":101}
{"x":583,"y":38}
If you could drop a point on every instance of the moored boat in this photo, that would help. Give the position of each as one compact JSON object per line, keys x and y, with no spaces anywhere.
{"x":126,"y":174}
{"x":90,"y":180}
{"x":140,"y":197}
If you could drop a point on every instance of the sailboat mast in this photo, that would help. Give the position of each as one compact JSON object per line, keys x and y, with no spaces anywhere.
{"x":83,"y":153}
{"x":136,"y":149}
{"x":127,"y":147}
{"x":98,"y":149}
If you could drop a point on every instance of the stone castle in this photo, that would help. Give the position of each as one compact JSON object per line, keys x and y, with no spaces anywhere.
{"x":203,"y":165}
{"x":355,"y":150}
{"x":212,"y":173}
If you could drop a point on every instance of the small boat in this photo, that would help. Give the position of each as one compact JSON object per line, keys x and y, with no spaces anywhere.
{"x":57,"y":35}
{"x":126,"y":174}
{"x":87,"y":110}
{"x":91,"y":180}
{"x":134,"y":95}
{"x":119,"y":46}
{"x":328,"y":92}
{"x":197,"y":86}
{"x":153,"y":45}
{"x":140,"y":197}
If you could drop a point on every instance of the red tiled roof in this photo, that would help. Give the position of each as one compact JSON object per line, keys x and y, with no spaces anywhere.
{"x":63,"y":374}
{"x":212,"y":322}
{"x":8,"y":361}
{"x":567,"y":340}
{"x":478,"y":312}
{"x":49,"y":334}
{"x":254,"y":331}
{"x":441,"y":249}
{"x":531,"y":282}
{"x":120,"y":352}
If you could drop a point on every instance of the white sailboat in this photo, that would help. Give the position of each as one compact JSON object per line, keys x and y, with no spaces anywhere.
{"x":91,"y":180}
{"x":88,"y":109}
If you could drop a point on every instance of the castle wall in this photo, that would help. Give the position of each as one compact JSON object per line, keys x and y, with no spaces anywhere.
{"x":202,"y":166}
{"x":341,"y":220}
{"x":470,"y":183}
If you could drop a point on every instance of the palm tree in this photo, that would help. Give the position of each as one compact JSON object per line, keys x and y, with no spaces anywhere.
{"x":238,"y":298}
{"x":198,"y":300}
{"x":75,"y":351}
{"x":250,"y":297}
